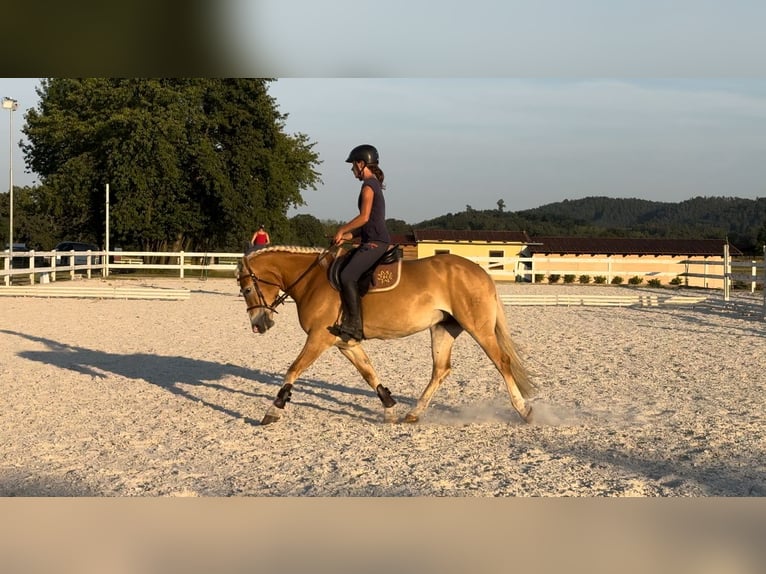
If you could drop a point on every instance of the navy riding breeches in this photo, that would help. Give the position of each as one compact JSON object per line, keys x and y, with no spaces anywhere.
{"x":361,"y":260}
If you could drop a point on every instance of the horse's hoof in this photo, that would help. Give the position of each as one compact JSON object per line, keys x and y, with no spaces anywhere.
{"x":390,"y":418}
{"x":528,"y":417}
{"x":268,"y":419}
{"x":410,"y":418}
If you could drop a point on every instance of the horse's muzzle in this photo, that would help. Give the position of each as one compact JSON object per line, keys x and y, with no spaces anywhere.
{"x":261,"y":323}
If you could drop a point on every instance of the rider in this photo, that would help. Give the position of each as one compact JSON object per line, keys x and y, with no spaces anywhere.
{"x":370,"y":226}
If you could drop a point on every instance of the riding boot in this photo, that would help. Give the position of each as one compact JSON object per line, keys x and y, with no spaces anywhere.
{"x":351,"y":325}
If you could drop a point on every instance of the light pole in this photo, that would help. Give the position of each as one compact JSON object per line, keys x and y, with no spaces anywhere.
{"x":11,"y":105}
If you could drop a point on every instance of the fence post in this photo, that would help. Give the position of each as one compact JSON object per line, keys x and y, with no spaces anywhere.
{"x":31,"y":265}
{"x":181,"y":263}
{"x":726,"y":272}
{"x":753,"y":276}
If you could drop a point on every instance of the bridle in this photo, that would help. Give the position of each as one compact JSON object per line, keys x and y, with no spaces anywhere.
{"x":262,"y":304}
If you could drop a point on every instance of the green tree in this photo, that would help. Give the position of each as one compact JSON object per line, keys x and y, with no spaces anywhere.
{"x":307,"y":230}
{"x":191,"y":163}
{"x":398,"y":226}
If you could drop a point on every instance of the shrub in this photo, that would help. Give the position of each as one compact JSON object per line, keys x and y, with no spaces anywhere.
{"x":554,"y":278}
{"x":676,"y":281}
{"x":539,"y":277}
{"x":584,"y":279}
{"x":616,"y":280}
{"x":600,"y":279}
{"x":636,"y":280}
{"x":654,"y":283}
{"x":569,"y":278}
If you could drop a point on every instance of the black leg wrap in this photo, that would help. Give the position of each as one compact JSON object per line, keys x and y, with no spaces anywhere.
{"x":385,"y":396}
{"x":283,"y":396}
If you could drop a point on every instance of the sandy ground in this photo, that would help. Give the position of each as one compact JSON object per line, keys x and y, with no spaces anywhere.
{"x":106,"y":397}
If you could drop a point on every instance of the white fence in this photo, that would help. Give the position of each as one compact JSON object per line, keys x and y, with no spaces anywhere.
{"x":40,"y":266}
{"x":530,"y":269}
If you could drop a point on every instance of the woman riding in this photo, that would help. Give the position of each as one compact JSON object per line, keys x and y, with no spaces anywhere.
{"x":370,"y":227}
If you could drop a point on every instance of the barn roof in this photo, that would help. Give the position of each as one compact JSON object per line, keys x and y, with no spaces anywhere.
{"x":629,"y":246}
{"x":403,"y":238}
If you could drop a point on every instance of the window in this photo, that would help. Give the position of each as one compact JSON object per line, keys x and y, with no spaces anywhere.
{"x":441,"y":251}
{"x":496,"y":264}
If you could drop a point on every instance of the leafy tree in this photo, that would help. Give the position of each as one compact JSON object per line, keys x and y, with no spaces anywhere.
{"x":307,"y":230}
{"x":191,"y":163}
{"x":398,"y":226}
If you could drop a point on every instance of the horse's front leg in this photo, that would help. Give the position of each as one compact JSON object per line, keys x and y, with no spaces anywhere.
{"x":316,"y":344}
{"x":358,"y":357}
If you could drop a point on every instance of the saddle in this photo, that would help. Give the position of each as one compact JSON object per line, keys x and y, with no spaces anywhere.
{"x":382,"y":276}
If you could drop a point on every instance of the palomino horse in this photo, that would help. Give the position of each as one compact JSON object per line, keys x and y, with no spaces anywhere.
{"x":445,"y":293}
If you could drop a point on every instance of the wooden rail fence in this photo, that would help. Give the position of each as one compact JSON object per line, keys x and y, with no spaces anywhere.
{"x":600,"y":300}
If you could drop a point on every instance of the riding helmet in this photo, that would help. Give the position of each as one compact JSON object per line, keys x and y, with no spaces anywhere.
{"x":365,"y":152}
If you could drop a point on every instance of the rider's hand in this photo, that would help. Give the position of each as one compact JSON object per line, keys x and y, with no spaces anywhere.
{"x":341,"y":237}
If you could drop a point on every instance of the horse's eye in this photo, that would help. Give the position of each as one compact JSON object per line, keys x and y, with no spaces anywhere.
{"x":246,"y":291}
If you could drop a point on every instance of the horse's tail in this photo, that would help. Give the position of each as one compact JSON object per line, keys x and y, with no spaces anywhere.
{"x":515,"y":364}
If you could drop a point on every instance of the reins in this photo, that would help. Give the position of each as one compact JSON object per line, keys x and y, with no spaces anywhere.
{"x":285,"y":290}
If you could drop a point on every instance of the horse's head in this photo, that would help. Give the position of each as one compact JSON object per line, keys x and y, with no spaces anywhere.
{"x":262,"y":274}
{"x":261,"y":295}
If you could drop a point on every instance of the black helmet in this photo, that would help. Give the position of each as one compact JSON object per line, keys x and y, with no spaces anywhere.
{"x":365,"y":152}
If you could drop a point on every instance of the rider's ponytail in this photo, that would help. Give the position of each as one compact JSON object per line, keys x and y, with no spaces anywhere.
{"x":378,"y":174}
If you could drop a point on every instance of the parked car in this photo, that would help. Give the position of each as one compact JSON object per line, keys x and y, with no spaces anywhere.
{"x":18,"y":262}
{"x":63,"y":258}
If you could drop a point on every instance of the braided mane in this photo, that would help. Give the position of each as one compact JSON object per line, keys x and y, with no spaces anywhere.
{"x":278,"y":249}
{"x":286,"y":249}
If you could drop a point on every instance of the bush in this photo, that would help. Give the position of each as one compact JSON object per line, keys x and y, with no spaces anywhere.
{"x":554,"y":278}
{"x":569,"y":278}
{"x":654,"y":283}
{"x":600,"y":279}
{"x":539,"y":277}
{"x":584,"y":279}
{"x":616,"y":280}
{"x":636,"y":280}
{"x":676,"y":281}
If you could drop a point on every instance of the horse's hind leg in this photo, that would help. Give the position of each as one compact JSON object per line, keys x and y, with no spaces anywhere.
{"x":443,"y":337}
{"x":359,"y":358}
{"x":506,"y":361}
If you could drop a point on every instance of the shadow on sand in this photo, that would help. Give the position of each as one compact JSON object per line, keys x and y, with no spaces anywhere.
{"x":175,"y":374}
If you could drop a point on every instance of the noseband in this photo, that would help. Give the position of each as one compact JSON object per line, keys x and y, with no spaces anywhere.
{"x":285,"y":290}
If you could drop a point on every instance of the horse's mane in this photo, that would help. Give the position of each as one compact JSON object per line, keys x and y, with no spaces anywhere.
{"x":285,"y":249}
{"x":277,"y":249}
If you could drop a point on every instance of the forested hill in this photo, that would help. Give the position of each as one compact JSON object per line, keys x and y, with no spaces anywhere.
{"x":742,"y":221}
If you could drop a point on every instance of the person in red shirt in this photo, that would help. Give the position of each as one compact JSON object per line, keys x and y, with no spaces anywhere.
{"x":260,"y":237}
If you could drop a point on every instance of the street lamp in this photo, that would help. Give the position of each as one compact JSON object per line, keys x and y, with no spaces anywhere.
{"x":11,"y":105}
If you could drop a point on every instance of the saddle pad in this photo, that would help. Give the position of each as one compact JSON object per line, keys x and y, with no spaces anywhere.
{"x":383,"y":277}
{"x":386,"y":277}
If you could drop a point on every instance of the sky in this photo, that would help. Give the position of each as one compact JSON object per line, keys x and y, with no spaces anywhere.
{"x":529,"y":102}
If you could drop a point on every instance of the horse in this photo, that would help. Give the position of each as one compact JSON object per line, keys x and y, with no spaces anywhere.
{"x":444,"y":293}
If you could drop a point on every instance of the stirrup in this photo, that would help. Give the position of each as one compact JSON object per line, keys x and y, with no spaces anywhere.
{"x":345,"y":334}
